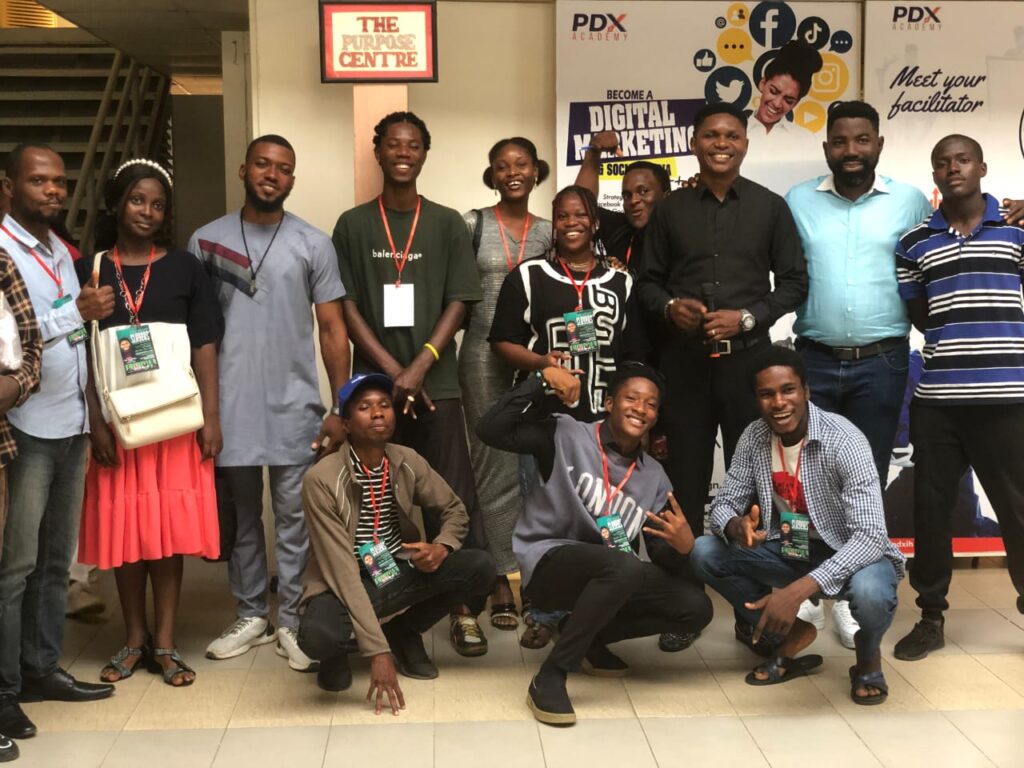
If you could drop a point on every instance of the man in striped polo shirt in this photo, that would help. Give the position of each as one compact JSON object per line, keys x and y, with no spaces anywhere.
{"x":960,"y":274}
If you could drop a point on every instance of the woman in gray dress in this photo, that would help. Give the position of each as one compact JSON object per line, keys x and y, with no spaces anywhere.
{"x":503,"y":236}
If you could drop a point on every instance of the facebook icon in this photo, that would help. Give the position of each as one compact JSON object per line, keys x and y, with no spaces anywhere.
{"x":772,"y":24}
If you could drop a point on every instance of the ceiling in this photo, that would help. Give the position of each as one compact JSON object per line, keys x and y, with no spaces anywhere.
{"x":177,"y":37}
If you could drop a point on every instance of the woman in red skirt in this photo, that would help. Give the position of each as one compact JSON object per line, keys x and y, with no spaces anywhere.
{"x":146,"y":507}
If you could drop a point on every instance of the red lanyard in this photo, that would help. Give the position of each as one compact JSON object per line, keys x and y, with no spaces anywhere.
{"x":578,"y":286}
{"x":796,"y":470}
{"x":134,"y":305}
{"x":400,"y":265}
{"x":373,"y":496}
{"x":54,"y":273}
{"x":504,"y":242}
{"x":604,"y":465}
{"x":629,"y":250}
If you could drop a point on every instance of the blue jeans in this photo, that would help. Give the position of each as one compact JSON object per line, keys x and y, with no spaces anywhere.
{"x":743,"y":575}
{"x":46,"y":483}
{"x":868,"y":392}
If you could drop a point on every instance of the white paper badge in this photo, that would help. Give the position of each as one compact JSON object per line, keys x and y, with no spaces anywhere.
{"x":399,"y":305}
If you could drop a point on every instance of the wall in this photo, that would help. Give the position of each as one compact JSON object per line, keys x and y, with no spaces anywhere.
{"x":497,"y":75}
{"x":198,"y":160}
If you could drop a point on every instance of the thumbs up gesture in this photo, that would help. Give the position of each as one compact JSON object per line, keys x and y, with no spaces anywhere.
{"x":94,"y":302}
{"x":743,"y":529}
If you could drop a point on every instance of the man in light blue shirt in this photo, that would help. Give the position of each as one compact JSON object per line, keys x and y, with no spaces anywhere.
{"x":852,"y":329}
{"x":47,"y":478}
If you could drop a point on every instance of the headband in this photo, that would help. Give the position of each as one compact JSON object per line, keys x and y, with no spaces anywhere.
{"x":143,"y":161}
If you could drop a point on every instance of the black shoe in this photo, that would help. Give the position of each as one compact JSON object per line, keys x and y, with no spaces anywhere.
{"x":13,"y":722}
{"x":600,"y":662}
{"x":410,"y":655}
{"x":8,"y":749}
{"x":925,"y":637}
{"x":549,"y":701}
{"x":335,"y":674}
{"x":672,"y":642}
{"x":61,"y":686}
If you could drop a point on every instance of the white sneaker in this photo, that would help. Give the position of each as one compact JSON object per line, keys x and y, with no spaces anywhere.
{"x":242,"y":636}
{"x":812,"y":614}
{"x":288,"y":647}
{"x":845,"y":625}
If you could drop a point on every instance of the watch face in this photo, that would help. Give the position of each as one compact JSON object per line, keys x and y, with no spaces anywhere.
{"x":747,"y":322}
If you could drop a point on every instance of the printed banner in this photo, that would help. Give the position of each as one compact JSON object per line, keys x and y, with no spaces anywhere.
{"x":643,"y":69}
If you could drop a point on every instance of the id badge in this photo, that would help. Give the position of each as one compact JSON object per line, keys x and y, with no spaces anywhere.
{"x":795,"y":535}
{"x":60,"y":301}
{"x":378,"y":562}
{"x":137,"y":352}
{"x":613,"y":534}
{"x":399,"y":305}
{"x":580,"y":331}
{"x":77,"y":336}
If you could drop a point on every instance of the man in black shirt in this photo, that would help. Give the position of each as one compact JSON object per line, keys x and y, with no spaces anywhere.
{"x":643,"y":185}
{"x":709,"y":256}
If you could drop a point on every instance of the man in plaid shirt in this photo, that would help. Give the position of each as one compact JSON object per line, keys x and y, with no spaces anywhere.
{"x":814,"y":471}
{"x":15,"y":387}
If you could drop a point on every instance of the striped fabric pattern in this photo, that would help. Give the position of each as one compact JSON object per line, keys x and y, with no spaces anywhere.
{"x":389,"y":530}
{"x":974,"y":340}
{"x":226,"y":264}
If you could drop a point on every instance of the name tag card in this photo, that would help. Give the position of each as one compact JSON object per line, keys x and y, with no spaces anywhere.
{"x":580,"y":332}
{"x":613,"y":534}
{"x":378,"y":562}
{"x":399,"y":305}
{"x":137,"y":352}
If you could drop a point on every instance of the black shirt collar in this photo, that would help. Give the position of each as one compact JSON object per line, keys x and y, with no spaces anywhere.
{"x":735,"y":191}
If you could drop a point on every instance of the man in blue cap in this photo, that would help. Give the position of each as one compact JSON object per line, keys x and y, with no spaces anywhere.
{"x":369,"y":559}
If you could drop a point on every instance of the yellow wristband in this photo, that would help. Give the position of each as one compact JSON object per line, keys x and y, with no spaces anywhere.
{"x":433,"y":350}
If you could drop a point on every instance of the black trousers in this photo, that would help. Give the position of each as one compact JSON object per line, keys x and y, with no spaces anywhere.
{"x":947,"y":440}
{"x":439,"y":436}
{"x":701,"y":395}
{"x":612,"y":596}
{"x":326,"y":626}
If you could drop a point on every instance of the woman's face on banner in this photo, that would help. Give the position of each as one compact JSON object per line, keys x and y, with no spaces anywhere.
{"x":779,"y":95}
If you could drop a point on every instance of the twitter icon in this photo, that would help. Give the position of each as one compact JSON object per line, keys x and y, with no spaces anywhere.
{"x":729,"y":84}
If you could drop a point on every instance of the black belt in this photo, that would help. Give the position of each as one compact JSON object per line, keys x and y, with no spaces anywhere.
{"x":728,"y":346}
{"x":852,"y":353}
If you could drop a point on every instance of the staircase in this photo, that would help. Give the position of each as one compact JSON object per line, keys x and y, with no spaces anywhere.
{"x":94,"y":105}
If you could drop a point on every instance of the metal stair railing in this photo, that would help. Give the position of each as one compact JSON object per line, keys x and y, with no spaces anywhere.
{"x":140,"y":84}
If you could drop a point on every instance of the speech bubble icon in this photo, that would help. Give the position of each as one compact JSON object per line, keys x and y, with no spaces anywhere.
{"x":831,"y":81}
{"x":842,"y":41}
{"x":734,"y":46}
{"x":738,"y":14}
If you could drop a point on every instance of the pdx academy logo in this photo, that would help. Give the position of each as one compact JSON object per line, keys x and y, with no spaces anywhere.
{"x":916,"y":18}
{"x":599,"y":27}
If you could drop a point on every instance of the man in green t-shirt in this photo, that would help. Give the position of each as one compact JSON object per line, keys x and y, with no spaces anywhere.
{"x":410,"y":275}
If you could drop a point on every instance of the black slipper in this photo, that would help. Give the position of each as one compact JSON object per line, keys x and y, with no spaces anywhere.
{"x":868,"y":680}
{"x":797,"y":667}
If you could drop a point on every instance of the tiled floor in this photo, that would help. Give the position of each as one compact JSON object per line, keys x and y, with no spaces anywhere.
{"x":963,"y":706}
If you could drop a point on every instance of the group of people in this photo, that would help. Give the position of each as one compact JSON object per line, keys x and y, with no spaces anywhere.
{"x":570,"y":439}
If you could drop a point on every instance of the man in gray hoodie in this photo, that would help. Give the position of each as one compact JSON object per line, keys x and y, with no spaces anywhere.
{"x":594,"y":476}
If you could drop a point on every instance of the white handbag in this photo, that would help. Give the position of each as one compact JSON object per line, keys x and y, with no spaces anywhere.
{"x":151,"y":406}
{"x":10,"y":338}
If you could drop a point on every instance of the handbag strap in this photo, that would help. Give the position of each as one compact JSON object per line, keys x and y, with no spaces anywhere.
{"x":99,"y":379}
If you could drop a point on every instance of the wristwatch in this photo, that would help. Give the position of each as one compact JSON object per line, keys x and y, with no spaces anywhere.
{"x":747,"y":320}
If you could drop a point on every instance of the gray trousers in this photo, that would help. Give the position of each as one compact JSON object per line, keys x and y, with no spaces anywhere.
{"x":248,"y":567}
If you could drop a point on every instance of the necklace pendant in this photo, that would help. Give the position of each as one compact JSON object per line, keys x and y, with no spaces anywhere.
{"x":252,"y":285}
